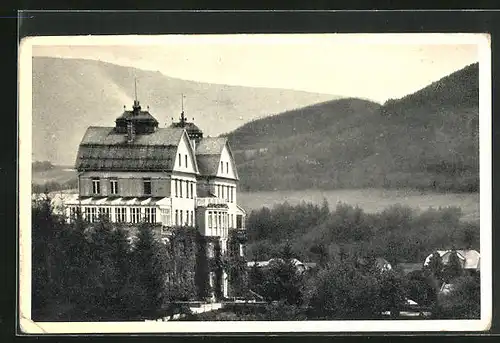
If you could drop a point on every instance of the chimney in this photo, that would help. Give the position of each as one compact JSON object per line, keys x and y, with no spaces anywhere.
{"x":130,"y":131}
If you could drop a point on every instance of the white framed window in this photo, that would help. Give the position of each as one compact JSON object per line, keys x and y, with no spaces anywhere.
{"x":120,"y":214}
{"x":186,"y":160}
{"x":181,"y":217}
{"x":191,"y":185}
{"x":222,"y":167}
{"x":105,"y":212}
{"x":150,"y":214}
{"x":93,"y":214}
{"x":180,"y":188}
{"x":209,"y":219}
{"x":96,"y":186}
{"x":180,"y":161}
{"x":177,"y":217}
{"x":113,"y":186}
{"x":135,"y":214}
{"x":165,"y":217}
{"x":227,"y":167}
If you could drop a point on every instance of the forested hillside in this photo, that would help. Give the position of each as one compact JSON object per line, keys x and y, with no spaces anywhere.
{"x":426,"y":140}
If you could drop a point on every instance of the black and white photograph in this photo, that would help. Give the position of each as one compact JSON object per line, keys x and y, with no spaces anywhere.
{"x":249,"y":182}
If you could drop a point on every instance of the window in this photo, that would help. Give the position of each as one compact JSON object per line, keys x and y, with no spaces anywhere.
{"x":191,"y":185}
{"x":222,"y":167}
{"x":176,"y":217}
{"x":73,"y":213}
{"x":220,"y":219}
{"x":104,"y":212}
{"x":192,"y":218}
{"x":180,"y":161}
{"x":96,"y":186}
{"x":120,"y":214}
{"x":187,"y":188}
{"x":147,"y":186}
{"x":114,"y":186}
{"x":135,"y":214}
{"x":186,"y":160}
{"x":181,"y":218}
{"x":86,"y":213}
{"x":227,"y":167}
{"x":165,"y":217}
{"x":239,"y":221}
{"x":209,"y":219}
{"x":150,"y":215}
{"x":93,"y":214}
{"x":180,"y":188}
{"x":176,"y":189}
{"x":210,"y":253}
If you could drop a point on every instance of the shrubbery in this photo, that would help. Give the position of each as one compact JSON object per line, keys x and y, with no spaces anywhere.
{"x":91,"y":271}
{"x":398,"y":234}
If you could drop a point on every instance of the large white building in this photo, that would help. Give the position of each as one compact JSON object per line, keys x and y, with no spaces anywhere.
{"x":173,"y":176}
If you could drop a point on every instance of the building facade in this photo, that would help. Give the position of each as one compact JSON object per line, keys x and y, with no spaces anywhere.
{"x":169,"y":177}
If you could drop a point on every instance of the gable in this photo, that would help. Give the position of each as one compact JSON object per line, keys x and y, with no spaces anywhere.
{"x":185,"y":160}
{"x":226,"y":167}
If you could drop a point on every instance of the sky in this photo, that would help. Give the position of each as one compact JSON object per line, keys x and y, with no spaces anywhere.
{"x":364,"y":66}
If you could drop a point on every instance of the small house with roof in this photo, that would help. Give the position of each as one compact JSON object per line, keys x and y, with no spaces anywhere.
{"x":173,"y":176}
{"x":469,"y":259}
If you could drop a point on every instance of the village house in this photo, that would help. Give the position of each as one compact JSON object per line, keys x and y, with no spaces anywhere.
{"x":137,"y":171}
{"x":469,"y":259}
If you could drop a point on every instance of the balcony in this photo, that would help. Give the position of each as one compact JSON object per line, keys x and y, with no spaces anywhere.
{"x":211,"y":202}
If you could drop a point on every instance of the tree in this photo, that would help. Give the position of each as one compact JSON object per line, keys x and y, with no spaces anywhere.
{"x":453,"y":268}
{"x":343,"y":292}
{"x":150,"y":272}
{"x":392,"y":292}
{"x":463,"y":301}
{"x":435,"y":266}
{"x":421,"y":288}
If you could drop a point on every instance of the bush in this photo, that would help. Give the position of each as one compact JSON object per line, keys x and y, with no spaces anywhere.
{"x":463,"y":301}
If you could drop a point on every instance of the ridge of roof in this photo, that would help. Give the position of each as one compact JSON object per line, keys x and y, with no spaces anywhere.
{"x":100,"y":135}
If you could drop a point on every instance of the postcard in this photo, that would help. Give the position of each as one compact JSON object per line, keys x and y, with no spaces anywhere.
{"x":260,"y":183}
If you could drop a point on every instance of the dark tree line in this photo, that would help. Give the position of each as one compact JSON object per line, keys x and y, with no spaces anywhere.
{"x":104,"y":271}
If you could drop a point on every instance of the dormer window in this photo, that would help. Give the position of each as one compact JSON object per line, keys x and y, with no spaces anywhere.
{"x":96,"y":186}
{"x":186,"y":160}
{"x":221,"y":167}
{"x":180,"y":160}
{"x":147,"y":186}
{"x":227,"y":167}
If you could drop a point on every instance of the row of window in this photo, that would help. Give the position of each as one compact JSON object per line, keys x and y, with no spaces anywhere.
{"x":218,"y":223}
{"x":96,"y":186}
{"x":118,"y":215}
{"x":180,"y":185}
{"x":225,"y":192}
{"x":184,"y":217}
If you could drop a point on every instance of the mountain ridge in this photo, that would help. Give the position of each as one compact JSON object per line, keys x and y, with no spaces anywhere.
{"x":72,"y":94}
{"x":427,"y":139}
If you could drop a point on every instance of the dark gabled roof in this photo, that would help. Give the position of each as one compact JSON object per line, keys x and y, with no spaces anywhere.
{"x":108,"y":136}
{"x":102,"y":148}
{"x":208,"y":164}
{"x":208,"y":152}
{"x":126,"y":157}
{"x":211,"y":146}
